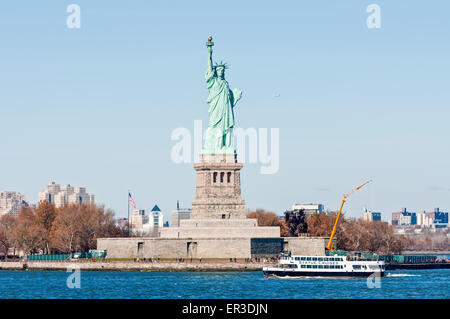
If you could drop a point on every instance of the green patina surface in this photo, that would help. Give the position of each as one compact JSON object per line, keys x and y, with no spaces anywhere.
{"x":221,"y":100}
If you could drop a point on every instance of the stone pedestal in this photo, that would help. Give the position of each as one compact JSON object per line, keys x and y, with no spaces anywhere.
{"x":218,"y":210}
{"x":218,"y":190}
{"x":219,"y":228}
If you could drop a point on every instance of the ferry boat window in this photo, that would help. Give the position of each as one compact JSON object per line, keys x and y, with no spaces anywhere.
{"x":297,"y":258}
{"x":308,"y":266}
{"x":308,"y":258}
{"x":327,"y":267}
{"x":303,"y":258}
{"x":321,"y":266}
{"x":320,"y":259}
{"x":356,"y":266}
{"x":314,"y":258}
{"x":314,"y":266}
{"x":303,"y":266}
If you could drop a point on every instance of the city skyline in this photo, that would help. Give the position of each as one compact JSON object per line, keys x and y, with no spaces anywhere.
{"x":308,"y":207}
{"x":89,"y":106}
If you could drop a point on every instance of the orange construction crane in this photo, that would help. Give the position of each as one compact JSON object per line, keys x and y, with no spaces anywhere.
{"x":329,"y":246}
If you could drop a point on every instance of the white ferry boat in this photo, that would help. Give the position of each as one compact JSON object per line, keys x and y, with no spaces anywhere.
{"x":324,"y":266}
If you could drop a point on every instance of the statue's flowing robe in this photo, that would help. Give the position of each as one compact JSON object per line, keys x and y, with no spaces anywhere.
{"x":221,"y":102}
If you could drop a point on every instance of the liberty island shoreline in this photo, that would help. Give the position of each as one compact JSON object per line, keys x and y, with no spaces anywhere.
{"x":183,"y":265}
{"x":162,"y":266}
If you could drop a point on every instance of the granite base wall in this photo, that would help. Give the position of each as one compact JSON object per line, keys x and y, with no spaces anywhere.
{"x":175,"y":248}
{"x":308,"y":246}
{"x":210,"y":247}
{"x":218,"y":232}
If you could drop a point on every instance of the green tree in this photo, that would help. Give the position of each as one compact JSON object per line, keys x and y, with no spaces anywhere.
{"x":295,"y":223}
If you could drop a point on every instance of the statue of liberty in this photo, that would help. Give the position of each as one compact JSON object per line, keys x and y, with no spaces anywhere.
{"x":219,"y":135}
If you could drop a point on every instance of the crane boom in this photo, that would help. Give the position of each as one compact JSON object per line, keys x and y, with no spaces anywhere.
{"x":339,"y":213}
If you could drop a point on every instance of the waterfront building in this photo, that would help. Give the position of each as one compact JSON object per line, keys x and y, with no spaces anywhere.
{"x":404,"y":218}
{"x":146,"y":225}
{"x":304,"y":210}
{"x":11,"y":203}
{"x":424,"y":219}
{"x":395,"y":218}
{"x":371,"y":216}
{"x":435,"y":219}
{"x":308,"y":209}
{"x":138,"y":219}
{"x":179,"y":214}
{"x":61,"y":195}
{"x":156,"y":217}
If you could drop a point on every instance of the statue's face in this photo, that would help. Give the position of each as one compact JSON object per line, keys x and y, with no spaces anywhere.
{"x":220,"y":72}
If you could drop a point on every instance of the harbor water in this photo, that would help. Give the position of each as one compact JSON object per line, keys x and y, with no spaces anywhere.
{"x":434,"y":284}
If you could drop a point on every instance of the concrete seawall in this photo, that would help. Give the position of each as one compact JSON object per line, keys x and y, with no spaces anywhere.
{"x":136,"y":266}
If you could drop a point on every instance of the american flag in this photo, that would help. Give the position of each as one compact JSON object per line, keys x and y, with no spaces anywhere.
{"x":131,"y":200}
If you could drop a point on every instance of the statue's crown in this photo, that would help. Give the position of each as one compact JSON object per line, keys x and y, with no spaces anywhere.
{"x":222,"y":65}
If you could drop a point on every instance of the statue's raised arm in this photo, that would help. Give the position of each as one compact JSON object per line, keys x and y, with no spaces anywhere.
{"x":209,"y":45}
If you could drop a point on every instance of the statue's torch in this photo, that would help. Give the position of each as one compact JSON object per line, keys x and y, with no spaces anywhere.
{"x":209,"y":44}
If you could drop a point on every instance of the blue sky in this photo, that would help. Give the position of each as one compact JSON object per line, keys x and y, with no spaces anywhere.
{"x":96,"y":106}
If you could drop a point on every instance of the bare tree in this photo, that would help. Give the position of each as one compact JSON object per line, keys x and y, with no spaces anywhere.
{"x":45,"y":215}
{"x":265,"y":218}
{"x":65,"y":229}
{"x":28,"y":233}
{"x":77,"y":227}
{"x":7,"y":224}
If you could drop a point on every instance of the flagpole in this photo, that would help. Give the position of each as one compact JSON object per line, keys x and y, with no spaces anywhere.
{"x":128,"y":203}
